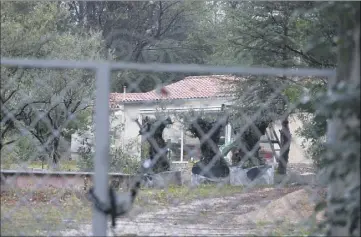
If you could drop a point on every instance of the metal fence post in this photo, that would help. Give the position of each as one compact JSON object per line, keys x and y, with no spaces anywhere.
{"x":102,"y":140}
{"x":101,"y":162}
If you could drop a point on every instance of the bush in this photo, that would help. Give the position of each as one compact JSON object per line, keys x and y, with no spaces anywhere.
{"x":86,"y":157}
{"x":22,"y":152}
{"x":120,"y":160}
{"x":314,"y":125}
{"x":313,"y":133}
{"x":145,"y":150}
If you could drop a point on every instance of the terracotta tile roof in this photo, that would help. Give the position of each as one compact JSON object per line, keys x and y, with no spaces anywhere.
{"x":189,"y":88}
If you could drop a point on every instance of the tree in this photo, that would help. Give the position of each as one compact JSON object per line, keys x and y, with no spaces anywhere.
{"x":341,"y":106}
{"x":305,"y":97}
{"x":207,"y":127}
{"x":50,"y":101}
{"x":13,"y":44}
{"x":278,"y":34}
{"x":152,"y":130}
{"x":145,"y":32}
{"x":258,"y":102}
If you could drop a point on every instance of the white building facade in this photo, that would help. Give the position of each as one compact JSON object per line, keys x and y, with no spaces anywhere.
{"x":205,"y":93}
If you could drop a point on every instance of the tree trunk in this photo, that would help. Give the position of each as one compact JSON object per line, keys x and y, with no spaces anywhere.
{"x":248,"y":146}
{"x":343,"y":196}
{"x":54,"y":155}
{"x":212,"y":164}
{"x":285,"y":136}
{"x":153,"y":130}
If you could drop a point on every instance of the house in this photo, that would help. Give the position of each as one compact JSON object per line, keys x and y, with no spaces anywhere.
{"x":206,"y":93}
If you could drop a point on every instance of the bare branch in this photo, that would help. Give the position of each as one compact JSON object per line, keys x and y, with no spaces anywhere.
{"x":30,"y":103}
{"x":4,"y":100}
{"x":171,"y":22}
{"x":75,"y":107}
{"x":159,"y":20}
{"x":309,"y":57}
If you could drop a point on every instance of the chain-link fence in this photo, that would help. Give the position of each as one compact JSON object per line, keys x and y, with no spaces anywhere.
{"x":204,"y":123}
{"x":214,"y":150}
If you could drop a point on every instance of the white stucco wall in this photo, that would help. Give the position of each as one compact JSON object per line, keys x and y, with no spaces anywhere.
{"x":297,"y":153}
{"x":116,"y":121}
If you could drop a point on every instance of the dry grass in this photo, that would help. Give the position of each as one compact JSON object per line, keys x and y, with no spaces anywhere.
{"x":25,"y":212}
{"x":184,"y":194}
{"x":33,"y":212}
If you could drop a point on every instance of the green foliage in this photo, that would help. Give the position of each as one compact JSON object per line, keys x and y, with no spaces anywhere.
{"x":41,"y":30}
{"x":278,"y":34}
{"x":313,"y":132}
{"x":305,"y":97}
{"x":80,"y":121}
{"x":145,"y":150}
{"x":275,"y":34}
{"x":145,"y":32}
{"x":341,"y":155}
{"x":21,"y":153}
{"x":258,"y":99}
{"x":85,"y":160}
{"x":281,"y":34}
{"x":340,"y":105}
{"x":25,"y":149}
{"x":285,"y":34}
{"x":120,"y":160}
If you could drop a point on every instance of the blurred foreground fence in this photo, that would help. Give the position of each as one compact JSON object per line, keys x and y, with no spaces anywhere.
{"x":180,"y":149}
{"x":199,"y":128}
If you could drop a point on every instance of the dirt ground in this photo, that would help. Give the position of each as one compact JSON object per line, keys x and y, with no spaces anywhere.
{"x":259,"y":211}
{"x":175,"y":211}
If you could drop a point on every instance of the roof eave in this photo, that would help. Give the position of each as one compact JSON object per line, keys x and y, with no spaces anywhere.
{"x":175,"y":99}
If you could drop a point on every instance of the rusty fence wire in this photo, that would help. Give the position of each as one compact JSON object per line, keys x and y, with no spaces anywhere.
{"x":219,"y":153}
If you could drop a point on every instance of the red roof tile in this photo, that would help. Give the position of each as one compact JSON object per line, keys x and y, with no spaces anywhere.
{"x":189,"y":88}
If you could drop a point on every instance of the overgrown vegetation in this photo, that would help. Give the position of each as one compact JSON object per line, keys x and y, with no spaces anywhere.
{"x":120,"y":161}
{"x":57,"y":209}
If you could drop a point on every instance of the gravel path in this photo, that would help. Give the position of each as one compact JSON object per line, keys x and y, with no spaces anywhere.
{"x":231,"y":216}
{"x":235,"y":215}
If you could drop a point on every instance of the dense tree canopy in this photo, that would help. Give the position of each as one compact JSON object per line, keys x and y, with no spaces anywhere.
{"x":38,"y":102}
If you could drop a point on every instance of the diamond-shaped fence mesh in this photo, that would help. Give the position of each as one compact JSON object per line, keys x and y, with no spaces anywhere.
{"x":104,"y":145}
{"x":214,"y":154}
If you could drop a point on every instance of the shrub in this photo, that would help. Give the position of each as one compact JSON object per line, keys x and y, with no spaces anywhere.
{"x":20,"y":153}
{"x":120,"y":160}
